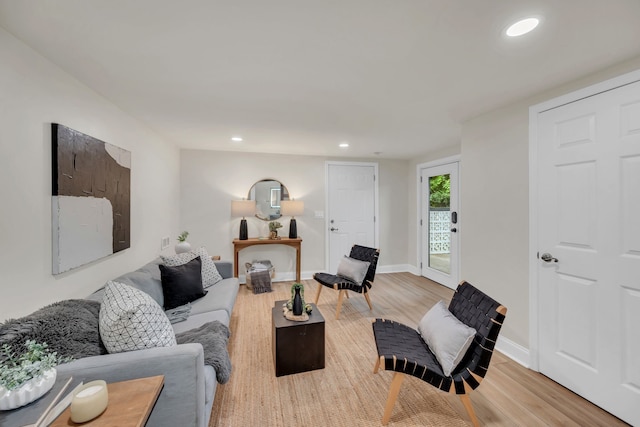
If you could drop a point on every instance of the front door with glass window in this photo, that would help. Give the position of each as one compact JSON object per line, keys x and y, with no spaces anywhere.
{"x":439,"y":224}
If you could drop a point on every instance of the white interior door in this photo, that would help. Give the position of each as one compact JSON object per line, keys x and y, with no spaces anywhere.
{"x":351,"y":204}
{"x":440,"y":224}
{"x":589,"y":233}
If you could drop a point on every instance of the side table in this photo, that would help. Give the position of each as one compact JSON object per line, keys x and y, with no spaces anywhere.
{"x":130,"y":404}
{"x":297,"y":346}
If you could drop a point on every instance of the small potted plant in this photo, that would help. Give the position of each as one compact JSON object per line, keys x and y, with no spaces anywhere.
{"x":182,"y":245}
{"x":296,"y":304}
{"x":27,"y":376}
{"x":273,"y":229}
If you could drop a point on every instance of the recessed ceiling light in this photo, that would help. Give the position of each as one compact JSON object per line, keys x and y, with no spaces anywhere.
{"x":522,"y":27}
{"x":236,"y":139}
{"x":344,"y":145}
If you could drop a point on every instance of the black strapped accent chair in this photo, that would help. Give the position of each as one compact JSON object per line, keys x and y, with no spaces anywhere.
{"x":402,"y":349}
{"x":342,"y":284}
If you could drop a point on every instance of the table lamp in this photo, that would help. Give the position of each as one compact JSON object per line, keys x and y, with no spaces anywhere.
{"x":293,"y":208}
{"x":243,"y":208}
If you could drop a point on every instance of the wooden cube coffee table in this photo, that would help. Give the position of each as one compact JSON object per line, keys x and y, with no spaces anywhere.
{"x":297,"y":346}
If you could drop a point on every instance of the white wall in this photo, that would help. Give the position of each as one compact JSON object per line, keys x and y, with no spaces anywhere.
{"x":494,"y":199}
{"x":33,"y":94}
{"x":211,"y":179}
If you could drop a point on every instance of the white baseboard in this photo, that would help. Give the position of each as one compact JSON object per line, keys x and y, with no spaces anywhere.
{"x":288,"y":276}
{"x":397,"y":268}
{"x":513,"y":351}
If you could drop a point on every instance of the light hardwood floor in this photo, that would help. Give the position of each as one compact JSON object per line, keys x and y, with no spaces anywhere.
{"x":510,"y":395}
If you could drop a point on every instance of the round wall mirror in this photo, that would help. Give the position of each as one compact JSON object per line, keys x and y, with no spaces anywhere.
{"x":268,"y":193}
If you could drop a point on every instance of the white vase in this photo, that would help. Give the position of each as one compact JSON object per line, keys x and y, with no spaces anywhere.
{"x":27,"y":392}
{"x":183,"y":247}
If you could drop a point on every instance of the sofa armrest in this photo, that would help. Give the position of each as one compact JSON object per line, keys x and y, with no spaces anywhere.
{"x":225,"y":268}
{"x":182,"y":399}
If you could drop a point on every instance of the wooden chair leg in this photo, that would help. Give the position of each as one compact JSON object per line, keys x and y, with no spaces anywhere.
{"x":467,"y":405}
{"x":377,"y":366}
{"x":393,"y":395}
{"x":366,"y":296}
{"x":340,"y":295}
{"x":318,"y":293}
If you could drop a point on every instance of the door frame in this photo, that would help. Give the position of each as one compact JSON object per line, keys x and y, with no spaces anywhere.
{"x":534,"y":111}
{"x":376,"y":204}
{"x":444,"y":161}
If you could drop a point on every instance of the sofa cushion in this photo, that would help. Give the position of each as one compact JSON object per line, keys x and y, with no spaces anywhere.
{"x":196,"y":320}
{"x":152,"y":268}
{"x":220,"y":297}
{"x":210,"y":274}
{"x":181,"y":284}
{"x":144,"y":281}
{"x":131,"y":320}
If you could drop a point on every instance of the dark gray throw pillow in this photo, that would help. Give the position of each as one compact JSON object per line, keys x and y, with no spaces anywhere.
{"x":182,"y":284}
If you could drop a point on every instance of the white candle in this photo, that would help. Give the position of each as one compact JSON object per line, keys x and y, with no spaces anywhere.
{"x":89,"y":391}
{"x":89,"y":402}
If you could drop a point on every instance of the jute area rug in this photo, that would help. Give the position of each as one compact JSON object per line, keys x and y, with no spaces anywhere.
{"x":344,"y":393}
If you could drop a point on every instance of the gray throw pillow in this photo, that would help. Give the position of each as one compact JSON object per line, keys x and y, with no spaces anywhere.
{"x":447,"y":337}
{"x":131,"y":320}
{"x":353,"y":269}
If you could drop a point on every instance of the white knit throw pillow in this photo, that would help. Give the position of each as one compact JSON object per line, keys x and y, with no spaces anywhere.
{"x":131,"y":320}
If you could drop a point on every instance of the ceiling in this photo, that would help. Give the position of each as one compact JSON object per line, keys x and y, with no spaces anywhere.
{"x":394,"y":79}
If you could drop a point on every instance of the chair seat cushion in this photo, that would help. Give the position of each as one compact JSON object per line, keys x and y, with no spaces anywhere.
{"x":340,"y":283}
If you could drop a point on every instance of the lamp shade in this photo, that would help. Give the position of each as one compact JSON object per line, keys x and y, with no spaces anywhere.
{"x":243,"y":207}
{"x":292,"y":207}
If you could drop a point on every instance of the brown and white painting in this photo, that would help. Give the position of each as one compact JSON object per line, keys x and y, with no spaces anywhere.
{"x":91,"y":198}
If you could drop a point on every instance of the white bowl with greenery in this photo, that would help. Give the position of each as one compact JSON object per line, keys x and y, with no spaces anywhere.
{"x":27,"y":376}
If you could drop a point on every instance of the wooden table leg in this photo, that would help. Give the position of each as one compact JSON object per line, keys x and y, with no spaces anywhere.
{"x":298,"y":264}
{"x":236,"y":257}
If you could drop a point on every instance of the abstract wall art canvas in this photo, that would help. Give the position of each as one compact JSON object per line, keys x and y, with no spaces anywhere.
{"x":91,"y":198}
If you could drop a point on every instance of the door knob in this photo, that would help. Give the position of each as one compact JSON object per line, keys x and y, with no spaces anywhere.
{"x":547,"y":257}
{"x":454,"y":230}
{"x":333,"y":229}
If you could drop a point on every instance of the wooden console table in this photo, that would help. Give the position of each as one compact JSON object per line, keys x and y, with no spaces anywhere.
{"x":238,"y":245}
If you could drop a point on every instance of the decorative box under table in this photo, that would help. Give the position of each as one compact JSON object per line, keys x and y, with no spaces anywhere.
{"x":297,"y":346}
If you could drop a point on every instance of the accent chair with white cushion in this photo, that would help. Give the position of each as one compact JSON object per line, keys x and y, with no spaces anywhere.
{"x":355,"y":273}
{"x":451,"y":349}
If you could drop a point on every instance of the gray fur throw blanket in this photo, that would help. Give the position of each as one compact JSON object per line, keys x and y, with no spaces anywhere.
{"x":214,"y":337}
{"x":69,"y":328}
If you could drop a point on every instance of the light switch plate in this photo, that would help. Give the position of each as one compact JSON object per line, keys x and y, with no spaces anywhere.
{"x":165,"y":242}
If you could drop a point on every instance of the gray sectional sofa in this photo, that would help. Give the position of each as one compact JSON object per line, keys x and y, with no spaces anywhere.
{"x":189,"y":384}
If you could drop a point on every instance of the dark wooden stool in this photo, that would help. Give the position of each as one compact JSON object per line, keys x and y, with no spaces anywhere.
{"x":297,"y":346}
